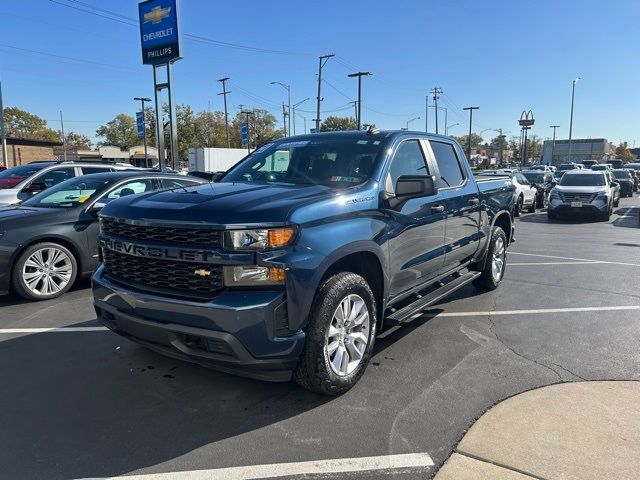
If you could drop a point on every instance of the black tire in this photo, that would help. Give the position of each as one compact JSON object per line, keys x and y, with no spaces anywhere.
{"x":18,"y":283}
{"x":518,"y":208}
{"x":487,"y":280}
{"x":540,"y":201}
{"x":314,"y":371}
{"x":605,"y":216}
{"x":552,"y":215}
{"x":617,"y":202}
{"x":532,"y":208}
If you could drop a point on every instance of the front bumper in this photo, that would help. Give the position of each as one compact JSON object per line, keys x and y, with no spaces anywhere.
{"x":237,"y":332}
{"x":7,"y":252}
{"x":586,"y":208}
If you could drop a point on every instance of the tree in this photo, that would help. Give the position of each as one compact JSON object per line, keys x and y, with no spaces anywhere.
{"x":333,"y":123}
{"x":77,"y":141}
{"x":463,"y":140}
{"x":22,"y":124}
{"x":210,"y":129}
{"x":120,"y":132}
{"x":622,"y":151}
{"x":262,"y":128}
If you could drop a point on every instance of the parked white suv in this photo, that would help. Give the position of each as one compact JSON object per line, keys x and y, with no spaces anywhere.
{"x":22,"y":182}
{"x":525,"y":194}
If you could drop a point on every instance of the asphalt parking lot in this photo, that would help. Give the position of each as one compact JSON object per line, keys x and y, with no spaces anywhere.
{"x":82,"y":402}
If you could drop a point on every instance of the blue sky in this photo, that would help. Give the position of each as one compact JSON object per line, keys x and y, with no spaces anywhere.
{"x":503,"y":56}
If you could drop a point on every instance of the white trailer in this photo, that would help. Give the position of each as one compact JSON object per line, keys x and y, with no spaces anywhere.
{"x":203,"y":159}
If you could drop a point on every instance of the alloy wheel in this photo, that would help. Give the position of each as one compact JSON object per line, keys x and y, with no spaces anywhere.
{"x":348,"y":335}
{"x":498,"y":260}
{"x":47,"y":271}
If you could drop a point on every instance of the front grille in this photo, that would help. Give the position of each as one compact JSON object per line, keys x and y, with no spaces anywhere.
{"x":175,"y":278}
{"x":577,"y":197}
{"x":168,"y":235}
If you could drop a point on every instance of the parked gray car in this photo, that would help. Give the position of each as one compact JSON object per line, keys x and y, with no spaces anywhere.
{"x":583,"y":191}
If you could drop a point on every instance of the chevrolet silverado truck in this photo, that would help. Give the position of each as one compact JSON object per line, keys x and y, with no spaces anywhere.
{"x":291,"y":263}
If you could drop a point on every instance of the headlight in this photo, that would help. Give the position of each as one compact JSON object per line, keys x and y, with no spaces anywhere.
{"x":604,"y":195}
{"x":253,"y":276}
{"x":259,"y":239}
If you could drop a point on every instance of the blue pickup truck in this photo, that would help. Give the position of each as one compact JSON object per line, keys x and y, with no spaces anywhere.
{"x":291,"y":263}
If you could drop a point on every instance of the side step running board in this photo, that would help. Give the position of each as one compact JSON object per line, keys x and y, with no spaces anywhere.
{"x":433,"y":297}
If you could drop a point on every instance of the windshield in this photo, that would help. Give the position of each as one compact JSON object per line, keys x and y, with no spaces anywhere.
{"x":67,"y":194}
{"x":622,"y":175}
{"x":534,"y":177}
{"x":337,"y":162}
{"x":13,"y":176}
{"x":582,"y":180}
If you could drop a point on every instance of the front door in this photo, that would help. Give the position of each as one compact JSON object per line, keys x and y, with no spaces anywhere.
{"x":416,"y":232}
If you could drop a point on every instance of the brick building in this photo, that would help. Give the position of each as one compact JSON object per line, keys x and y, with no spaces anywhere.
{"x":23,"y":150}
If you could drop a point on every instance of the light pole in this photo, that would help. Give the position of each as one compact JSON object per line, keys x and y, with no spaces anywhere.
{"x":64,"y":139}
{"x":471,"y":109}
{"x":573,"y":93}
{"x":323,"y":60}
{"x":447,"y":127}
{"x":3,"y":136}
{"x":288,"y":89}
{"x":553,"y":144}
{"x":144,"y":125}
{"x":409,"y":121}
{"x":294,"y":114}
{"x":226,"y":116}
{"x":359,"y":75}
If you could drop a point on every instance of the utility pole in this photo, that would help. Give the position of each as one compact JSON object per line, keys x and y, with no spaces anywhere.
{"x":359,"y":75}
{"x":323,"y":61}
{"x":284,"y":118}
{"x":144,"y":126}
{"x":471,"y":109}
{"x":288,"y":89}
{"x":226,"y":116}
{"x":304,"y":119}
{"x":3,"y":135}
{"x":553,"y":144}
{"x":436,"y":91}
{"x":64,"y":139}
{"x":501,"y":143}
{"x":294,"y":114}
{"x":573,"y":92}
{"x":426,"y":113}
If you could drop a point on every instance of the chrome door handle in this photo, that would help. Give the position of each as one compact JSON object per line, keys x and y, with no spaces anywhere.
{"x":437,"y":209}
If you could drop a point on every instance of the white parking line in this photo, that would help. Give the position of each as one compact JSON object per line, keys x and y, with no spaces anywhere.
{"x":539,"y":311}
{"x":54,"y":330}
{"x":553,"y":263}
{"x":590,"y":260}
{"x":274,"y":470}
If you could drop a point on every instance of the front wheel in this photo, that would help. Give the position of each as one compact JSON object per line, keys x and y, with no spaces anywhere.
{"x":44,"y":271}
{"x":518,"y":207}
{"x":340,"y":336}
{"x":617,"y":202}
{"x":495,"y":263}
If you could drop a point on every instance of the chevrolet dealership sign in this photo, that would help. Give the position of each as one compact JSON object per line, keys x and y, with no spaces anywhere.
{"x":159,"y":31}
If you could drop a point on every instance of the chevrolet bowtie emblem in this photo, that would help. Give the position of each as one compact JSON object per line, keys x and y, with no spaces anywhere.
{"x":156,"y":15}
{"x":202,"y":272}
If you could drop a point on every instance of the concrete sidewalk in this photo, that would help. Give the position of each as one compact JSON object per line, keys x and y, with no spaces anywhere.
{"x":585,"y":430}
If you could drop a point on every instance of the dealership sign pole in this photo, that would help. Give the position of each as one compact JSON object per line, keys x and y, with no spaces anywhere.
{"x":161,"y":46}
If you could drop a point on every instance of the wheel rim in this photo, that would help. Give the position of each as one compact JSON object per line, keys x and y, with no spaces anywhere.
{"x":47,"y":271}
{"x":497,"y":263}
{"x":348,"y":335}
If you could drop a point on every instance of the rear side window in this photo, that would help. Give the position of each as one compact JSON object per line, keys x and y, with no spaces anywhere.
{"x":450,"y":170}
{"x":408,"y":160}
{"x":54,"y":177}
{"x":175,"y":183}
{"x":131,"y":188}
{"x":89,"y":170}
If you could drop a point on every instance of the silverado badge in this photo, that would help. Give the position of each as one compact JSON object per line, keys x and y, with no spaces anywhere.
{"x":202,"y":272}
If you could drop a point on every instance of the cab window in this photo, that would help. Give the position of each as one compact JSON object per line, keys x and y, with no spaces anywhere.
{"x":130,"y":188}
{"x":408,"y":160}
{"x":451,"y":174}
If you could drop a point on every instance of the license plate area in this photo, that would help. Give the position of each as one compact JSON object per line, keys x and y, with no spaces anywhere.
{"x":576,"y":204}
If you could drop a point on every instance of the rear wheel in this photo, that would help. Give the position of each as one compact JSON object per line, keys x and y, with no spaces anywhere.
{"x":518,"y":207}
{"x":340,"y":336}
{"x":532,"y":208}
{"x":617,"y":202}
{"x":495,"y":263}
{"x":44,"y":271}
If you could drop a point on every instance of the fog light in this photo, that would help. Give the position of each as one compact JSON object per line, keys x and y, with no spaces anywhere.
{"x":253,"y":276}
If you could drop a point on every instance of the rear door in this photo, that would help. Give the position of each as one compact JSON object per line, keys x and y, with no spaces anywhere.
{"x":416,"y":233}
{"x":462,"y":203}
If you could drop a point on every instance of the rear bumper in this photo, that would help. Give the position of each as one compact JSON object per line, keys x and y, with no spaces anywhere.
{"x":234,"y":333}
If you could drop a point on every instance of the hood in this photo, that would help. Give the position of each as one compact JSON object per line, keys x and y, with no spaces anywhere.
{"x":13,"y":218}
{"x":219,"y":204}
{"x":594,"y":189}
{"x":10,"y":182}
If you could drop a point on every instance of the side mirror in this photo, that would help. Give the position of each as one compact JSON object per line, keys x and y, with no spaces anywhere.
{"x":409,"y":186}
{"x":96,"y":207}
{"x":614,"y":184}
{"x":35,"y":187}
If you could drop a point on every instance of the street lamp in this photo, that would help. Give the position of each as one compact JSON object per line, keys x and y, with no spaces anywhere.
{"x":359,"y":75}
{"x":553,"y":145}
{"x":294,"y":114}
{"x":288,"y":89}
{"x":447,"y":127}
{"x":470,"y":109}
{"x":409,"y":121}
{"x":144,"y":126}
{"x":573,"y":93}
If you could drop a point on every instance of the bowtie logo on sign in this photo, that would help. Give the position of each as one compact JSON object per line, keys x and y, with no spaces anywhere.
{"x":156,"y":15}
